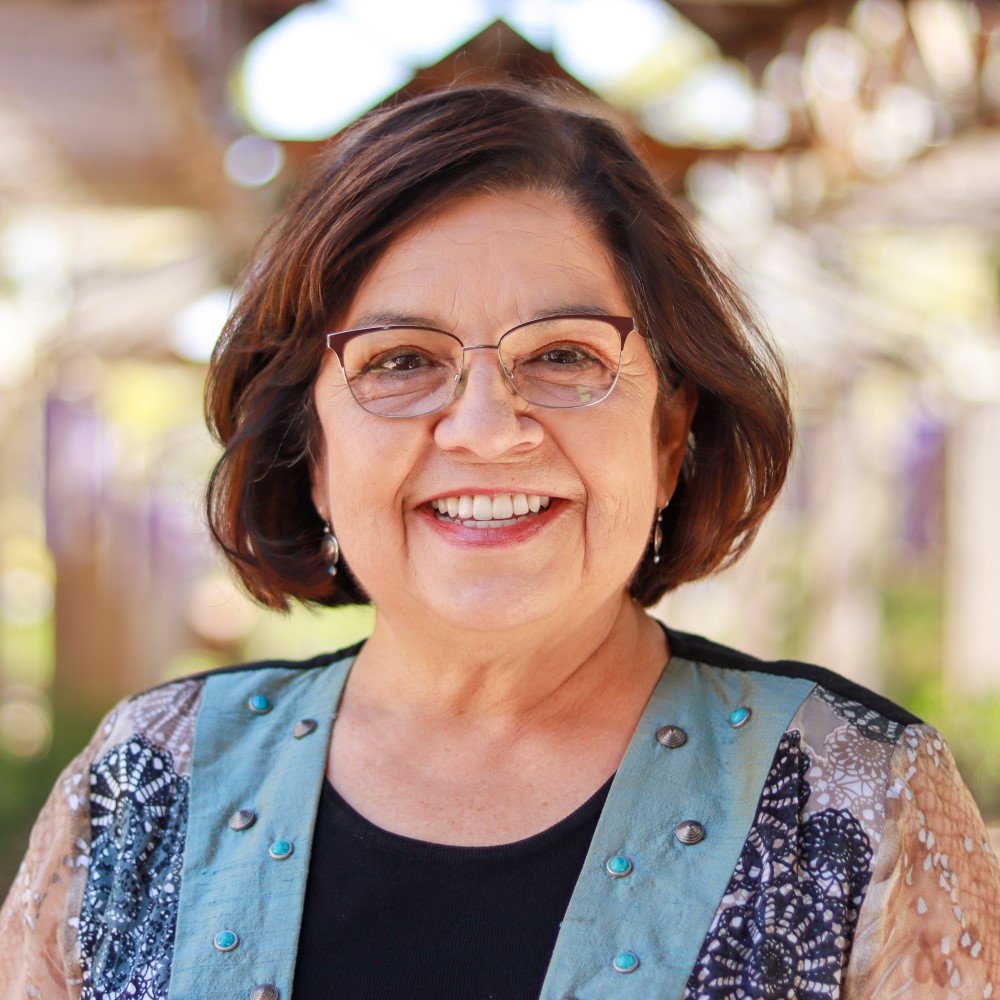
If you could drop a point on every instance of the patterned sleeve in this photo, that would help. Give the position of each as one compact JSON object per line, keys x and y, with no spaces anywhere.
{"x":39,"y":959}
{"x":929,"y":928}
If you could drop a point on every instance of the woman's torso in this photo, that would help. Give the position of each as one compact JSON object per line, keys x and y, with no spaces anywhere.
{"x":856,"y":813}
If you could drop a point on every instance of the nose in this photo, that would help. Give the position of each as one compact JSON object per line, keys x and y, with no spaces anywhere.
{"x":486,"y":418}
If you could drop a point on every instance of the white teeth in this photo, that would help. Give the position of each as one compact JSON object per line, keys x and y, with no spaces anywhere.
{"x":503,"y":507}
{"x":486,"y":511}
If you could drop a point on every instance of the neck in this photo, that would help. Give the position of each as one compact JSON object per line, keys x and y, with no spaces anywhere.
{"x":577,"y":663}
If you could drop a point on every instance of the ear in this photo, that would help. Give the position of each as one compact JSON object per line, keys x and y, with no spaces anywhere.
{"x":677,"y":411}
{"x":319,"y":483}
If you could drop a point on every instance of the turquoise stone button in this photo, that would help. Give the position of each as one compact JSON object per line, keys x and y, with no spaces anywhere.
{"x":280,"y":850}
{"x":626,"y":961}
{"x":226,"y":940}
{"x":259,"y":704}
{"x":619,"y":866}
{"x":739,"y":716}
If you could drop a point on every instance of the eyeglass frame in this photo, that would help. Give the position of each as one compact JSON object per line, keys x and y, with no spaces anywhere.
{"x":623,"y":325}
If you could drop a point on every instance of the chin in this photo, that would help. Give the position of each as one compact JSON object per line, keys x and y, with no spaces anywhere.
{"x":493,"y":605}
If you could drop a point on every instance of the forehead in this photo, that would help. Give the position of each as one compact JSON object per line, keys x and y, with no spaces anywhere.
{"x":492,"y":258}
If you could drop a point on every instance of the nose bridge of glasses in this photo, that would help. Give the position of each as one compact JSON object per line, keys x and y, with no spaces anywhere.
{"x":463,"y":376}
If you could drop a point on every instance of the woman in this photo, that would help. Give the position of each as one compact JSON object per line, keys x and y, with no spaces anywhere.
{"x":484,"y":376}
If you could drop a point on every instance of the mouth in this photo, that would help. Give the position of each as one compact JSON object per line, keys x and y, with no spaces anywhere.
{"x":481,"y":511}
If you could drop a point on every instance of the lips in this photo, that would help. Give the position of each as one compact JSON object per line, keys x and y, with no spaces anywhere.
{"x":479,"y":510}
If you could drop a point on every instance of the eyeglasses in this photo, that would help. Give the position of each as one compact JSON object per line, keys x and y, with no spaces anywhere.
{"x":407,"y":371}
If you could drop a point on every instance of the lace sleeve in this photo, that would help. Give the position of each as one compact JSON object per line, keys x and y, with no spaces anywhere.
{"x":39,"y":959}
{"x":929,"y":928}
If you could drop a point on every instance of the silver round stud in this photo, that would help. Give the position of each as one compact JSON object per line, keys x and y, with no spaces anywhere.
{"x":242,"y":819}
{"x":266,"y":991}
{"x":304,"y":727}
{"x":689,"y":832}
{"x":671,"y":737}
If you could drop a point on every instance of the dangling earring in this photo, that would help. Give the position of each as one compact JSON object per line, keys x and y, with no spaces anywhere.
{"x":658,"y":532}
{"x":329,"y":550}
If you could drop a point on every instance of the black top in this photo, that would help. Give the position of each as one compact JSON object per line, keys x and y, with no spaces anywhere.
{"x":388,"y":917}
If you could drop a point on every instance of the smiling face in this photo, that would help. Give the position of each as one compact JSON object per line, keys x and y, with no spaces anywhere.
{"x":399,"y":492}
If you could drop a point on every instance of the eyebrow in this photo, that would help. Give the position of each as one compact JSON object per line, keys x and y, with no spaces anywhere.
{"x":389,"y":317}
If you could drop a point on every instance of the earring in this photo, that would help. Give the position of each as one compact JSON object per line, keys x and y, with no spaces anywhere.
{"x":658,"y":532}
{"x":329,"y":550}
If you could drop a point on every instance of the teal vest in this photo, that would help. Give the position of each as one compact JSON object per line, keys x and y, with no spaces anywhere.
{"x":643,"y":902}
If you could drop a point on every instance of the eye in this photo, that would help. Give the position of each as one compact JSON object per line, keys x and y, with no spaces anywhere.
{"x":564,"y":354}
{"x":400,"y":360}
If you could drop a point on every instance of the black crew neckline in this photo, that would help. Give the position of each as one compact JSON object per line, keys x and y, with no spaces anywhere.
{"x":361,"y":828}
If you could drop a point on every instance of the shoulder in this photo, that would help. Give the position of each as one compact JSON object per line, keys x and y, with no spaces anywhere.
{"x":115,"y":827}
{"x":316,"y":662}
{"x":855,"y":703}
{"x":166,"y":715}
{"x":843,"y":746}
{"x":864,"y":838}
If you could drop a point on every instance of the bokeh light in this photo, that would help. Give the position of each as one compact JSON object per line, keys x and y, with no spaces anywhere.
{"x":25,"y":727}
{"x":197,"y":326}
{"x":253,"y":161}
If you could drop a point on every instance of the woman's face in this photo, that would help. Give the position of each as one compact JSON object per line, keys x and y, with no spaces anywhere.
{"x":478,"y":267}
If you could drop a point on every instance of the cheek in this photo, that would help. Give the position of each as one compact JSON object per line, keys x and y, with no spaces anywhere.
{"x":342,"y":474}
{"x":623,"y":459}
{"x":350,"y":436}
{"x":367,"y":462}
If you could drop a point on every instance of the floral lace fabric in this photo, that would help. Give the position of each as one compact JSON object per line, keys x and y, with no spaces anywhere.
{"x":867,"y":872}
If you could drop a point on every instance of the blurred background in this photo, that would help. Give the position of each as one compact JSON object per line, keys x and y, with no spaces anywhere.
{"x":841,"y":156}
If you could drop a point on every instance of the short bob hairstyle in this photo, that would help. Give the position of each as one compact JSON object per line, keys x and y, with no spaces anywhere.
{"x":389,"y":170}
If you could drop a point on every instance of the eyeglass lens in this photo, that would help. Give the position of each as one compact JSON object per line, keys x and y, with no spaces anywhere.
{"x":559,"y":362}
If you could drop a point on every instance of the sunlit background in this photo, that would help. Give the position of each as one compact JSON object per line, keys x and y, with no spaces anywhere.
{"x":842,"y":157}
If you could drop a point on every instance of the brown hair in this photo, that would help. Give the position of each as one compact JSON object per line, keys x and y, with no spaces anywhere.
{"x":389,"y":170}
